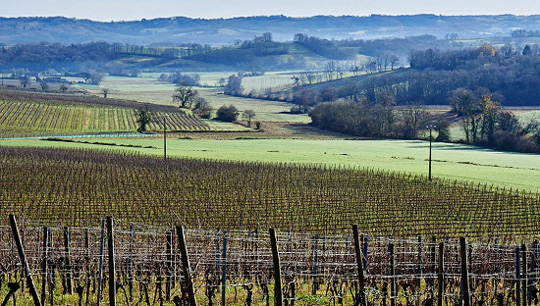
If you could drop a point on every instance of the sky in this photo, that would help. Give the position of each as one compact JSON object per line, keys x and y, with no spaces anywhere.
{"x":107,"y":10}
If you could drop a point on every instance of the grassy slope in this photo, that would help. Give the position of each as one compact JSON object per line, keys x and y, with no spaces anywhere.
{"x":452,"y":161}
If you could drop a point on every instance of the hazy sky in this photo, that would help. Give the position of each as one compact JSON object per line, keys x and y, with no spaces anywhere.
{"x":107,"y":10}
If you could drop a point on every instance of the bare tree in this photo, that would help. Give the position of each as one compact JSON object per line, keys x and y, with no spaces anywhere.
{"x":394,"y":60}
{"x":185,"y":95}
{"x":249,"y":115}
{"x":330,"y":70}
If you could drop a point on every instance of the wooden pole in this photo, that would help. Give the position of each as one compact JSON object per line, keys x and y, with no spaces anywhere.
{"x":430,"y":140}
{"x":524,"y":269}
{"x":393,"y":293}
{"x":130,"y":264}
{"x":224,"y":271}
{"x":433,"y":251}
{"x":360,"y":267}
{"x":44,"y":264}
{"x":22,"y":255}
{"x":186,"y":266}
{"x":440,"y":275}
{"x":315,"y":266}
{"x":164,"y":138}
{"x":532,"y":279}
{"x":69,"y":284}
{"x":464,"y":276}
{"x":169,"y":266}
{"x":278,"y":292}
{"x":365,"y":242}
{"x":112,"y":272}
{"x":101,"y":254}
{"x":518,"y":277}
{"x":419,"y":279}
{"x":87,"y":261}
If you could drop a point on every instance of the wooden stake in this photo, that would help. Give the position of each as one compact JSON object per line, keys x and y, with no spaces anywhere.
{"x":44,"y":267}
{"x":393,"y":292}
{"x":112,"y":272}
{"x":224,"y":271}
{"x":69,"y":284}
{"x":524,"y":269}
{"x":168,"y":249}
{"x":464,"y":277}
{"x":186,"y":266}
{"x":101,"y":254}
{"x":278,"y":292}
{"x":440,"y":275}
{"x":518,"y":277}
{"x":22,"y":255}
{"x":360,"y":267}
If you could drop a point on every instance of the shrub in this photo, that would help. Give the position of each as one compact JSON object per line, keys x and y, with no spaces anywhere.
{"x":227,"y":113}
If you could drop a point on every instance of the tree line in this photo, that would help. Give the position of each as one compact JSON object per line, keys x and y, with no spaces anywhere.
{"x":435,"y":74}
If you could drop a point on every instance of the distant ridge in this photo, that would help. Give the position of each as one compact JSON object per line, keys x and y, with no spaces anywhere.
{"x":225,"y":31}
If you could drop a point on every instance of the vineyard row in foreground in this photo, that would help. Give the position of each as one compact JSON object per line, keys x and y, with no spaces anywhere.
{"x":176,"y":267}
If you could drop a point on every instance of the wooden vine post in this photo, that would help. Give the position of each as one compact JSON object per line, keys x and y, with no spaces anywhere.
{"x":186,"y":266}
{"x":524,"y":278}
{"x":278,"y":292}
{"x":224,"y":271}
{"x":69,"y":283}
{"x":518,"y":276}
{"x":44,"y":264}
{"x":464,"y":276}
{"x":101,"y":254}
{"x":112,"y":272}
{"x":393,"y":292}
{"x":440,"y":275}
{"x":22,"y":255}
{"x":360,"y":267}
{"x":169,"y":265}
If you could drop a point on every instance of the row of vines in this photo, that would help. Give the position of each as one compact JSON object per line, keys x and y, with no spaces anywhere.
{"x":79,"y":187}
{"x":31,"y":119}
{"x":69,"y":266}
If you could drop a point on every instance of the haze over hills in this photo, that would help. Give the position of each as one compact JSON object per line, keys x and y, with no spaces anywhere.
{"x":226,"y":31}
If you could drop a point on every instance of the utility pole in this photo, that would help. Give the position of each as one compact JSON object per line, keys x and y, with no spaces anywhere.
{"x":165,"y":138}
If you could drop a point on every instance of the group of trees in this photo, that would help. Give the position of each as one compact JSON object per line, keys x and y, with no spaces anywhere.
{"x":189,"y":98}
{"x":480,"y":115}
{"x":323,"y":47}
{"x":179,"y":78}
{"x":485,"y":123}
{"x":102,"y":56}
{"x":400,"y":47}
{"x":234,"y":85}
{"x":435,"y":74}
{"x":247,"y":54}
{"x":377,"y":118}
{"x":524,"y":33}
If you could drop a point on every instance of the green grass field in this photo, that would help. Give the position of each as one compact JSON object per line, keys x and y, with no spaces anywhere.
{"x":452,"y":161}
{"x":147,"y":89}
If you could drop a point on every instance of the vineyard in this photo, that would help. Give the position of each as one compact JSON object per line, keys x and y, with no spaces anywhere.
{"x":174,"y":266}
{"x":27,"y":114}
{"x":196,"y":232}
{"x":78,"y":188}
